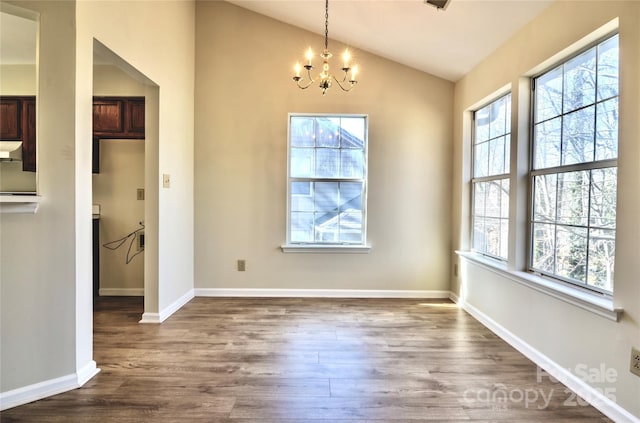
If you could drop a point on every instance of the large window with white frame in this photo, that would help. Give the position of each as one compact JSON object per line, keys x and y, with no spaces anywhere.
{"x":490,"y":181}
{"x":327,"y":180}
{"x":574,"y":168}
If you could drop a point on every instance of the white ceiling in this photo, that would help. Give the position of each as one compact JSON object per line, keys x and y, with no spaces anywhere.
{"x":446,"y":43}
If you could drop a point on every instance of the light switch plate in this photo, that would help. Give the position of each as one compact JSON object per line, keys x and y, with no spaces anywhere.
{"x":166,"y":180}
{"x":140,"y":194}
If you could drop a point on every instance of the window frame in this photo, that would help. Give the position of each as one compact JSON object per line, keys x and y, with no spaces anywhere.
{"x":560,"y":169}
{"x":331,"y":247}
{"x":491,"y":178}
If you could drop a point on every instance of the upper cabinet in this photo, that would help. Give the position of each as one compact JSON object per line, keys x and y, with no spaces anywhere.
{"x":18,"y":123}
{"x":118,"y":117}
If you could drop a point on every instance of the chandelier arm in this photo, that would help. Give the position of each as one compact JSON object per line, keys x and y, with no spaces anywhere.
{"x":351,"y":84}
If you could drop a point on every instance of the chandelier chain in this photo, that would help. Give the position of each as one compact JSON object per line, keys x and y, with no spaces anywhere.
{"x":326,"y":25}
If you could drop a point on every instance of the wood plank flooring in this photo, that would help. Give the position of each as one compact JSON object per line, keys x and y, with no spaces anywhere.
{"x":305,"y":360}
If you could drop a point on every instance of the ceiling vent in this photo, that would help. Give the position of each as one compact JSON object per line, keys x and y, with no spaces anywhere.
{"x":438,"y":4}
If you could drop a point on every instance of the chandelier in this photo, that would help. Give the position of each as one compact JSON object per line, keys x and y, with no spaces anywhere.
{"x":325,"y":78}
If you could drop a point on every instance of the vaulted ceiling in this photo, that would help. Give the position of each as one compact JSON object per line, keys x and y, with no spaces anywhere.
{"x":446,"y":43}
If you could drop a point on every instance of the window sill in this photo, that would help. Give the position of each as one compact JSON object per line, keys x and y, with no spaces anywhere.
{"x":311,"y":248}
{"x":593,"y":302}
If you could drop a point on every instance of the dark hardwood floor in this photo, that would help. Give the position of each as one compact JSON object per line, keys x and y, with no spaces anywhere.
{"x":305,"y":360}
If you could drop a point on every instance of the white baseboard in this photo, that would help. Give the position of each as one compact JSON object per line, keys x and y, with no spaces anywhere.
{"x":47,"y":388}
{"x":169,"y":310}
{"x":121,"y":292}
{"x":590,"y":394}
{"x":319,"y":293}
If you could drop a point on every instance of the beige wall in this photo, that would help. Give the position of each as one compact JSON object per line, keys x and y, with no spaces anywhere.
{"x":157,"y":42}
{"x":38,"y":251}
{"x":45,"y":294}
{"x":115,"y":189}
{"x":244,"y":92}
{"x":568,"y":335}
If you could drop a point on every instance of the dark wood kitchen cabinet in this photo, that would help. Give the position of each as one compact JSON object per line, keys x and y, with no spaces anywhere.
{"x":18,"y":123}
{"x":118,"y":117}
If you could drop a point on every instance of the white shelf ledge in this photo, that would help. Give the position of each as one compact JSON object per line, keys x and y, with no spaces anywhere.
{"x":27,"y":204}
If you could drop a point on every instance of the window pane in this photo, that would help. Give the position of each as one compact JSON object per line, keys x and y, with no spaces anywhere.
{"x":602,"y":252}
{"x":352,"y":163}
{"x":327,"y":132}
{"x":607,"y":130}
{"x":604,"y":187}
{"x":350,"y":196}
{"x":573,"y":198}
{"x":301,"y":131}
{"x":301,"y":227}
{"x":482,"y":120}
{"x":352,"y":133}
{"x":494,"y":202}
{"x":492,"y":231}
{"x":301,"y":162}
{"x":481,"y":160}
{"x":326,"y":196}
{"x":504,"y":238}
{"x":571,"y":252}
{"x":326,"y":225}
{"x":496,"y":156}
{"x":544,"y":205}
{"x":351,"y":227}
{"x":479,"y":200}
{"x":547,"y":139}
{"x":608,"y":68}
{"x":504,"y":198}
{"x":578,"y":136}
{"x":580,"y":81}
{"x":498,"y":117}
{"x":301,"y":196}
{"x":548,"y":95}
{"x":479,"y":242}
{"x":327,"y":163}
{"x":544,"y":247}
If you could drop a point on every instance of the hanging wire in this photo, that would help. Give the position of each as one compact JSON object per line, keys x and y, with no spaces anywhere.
{"x":114,"y":245}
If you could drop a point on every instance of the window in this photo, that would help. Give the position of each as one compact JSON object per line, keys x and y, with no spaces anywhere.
{"x":574,"y":168}
{"x":490,"y":208}
{"x":327,"y":180}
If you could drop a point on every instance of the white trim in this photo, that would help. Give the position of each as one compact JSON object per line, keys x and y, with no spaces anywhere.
{"x":317,"y":248}
{"x":596,"y":303}
{"x":87,"y":372}
{"x":169,"y":310}
{"x":592,"y":395}
{"x":47,"y":388}
{"x":121,"y":292}
{"x":19,"y":203}
{"x":454,"y":297}
{"x":150,"y":318}
{"x":318,"y":293}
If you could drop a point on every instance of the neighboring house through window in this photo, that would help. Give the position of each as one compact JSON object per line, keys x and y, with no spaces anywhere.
{"x":327,"y":180}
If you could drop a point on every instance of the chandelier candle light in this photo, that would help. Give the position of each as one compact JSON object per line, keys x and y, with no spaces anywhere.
{"x":325,"y":77}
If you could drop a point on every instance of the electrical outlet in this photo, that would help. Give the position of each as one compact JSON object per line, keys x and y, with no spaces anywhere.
{"x":635,"y":361}
{"x":242,"y":265}
{"x":140,"y":194}
{"x":166,"y":180}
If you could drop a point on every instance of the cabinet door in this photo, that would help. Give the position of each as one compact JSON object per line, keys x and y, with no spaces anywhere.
{"x":10,"y":125}
{"x":29,"y":138}
{"x":108,"y":117}
{"x":135,"y":110}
